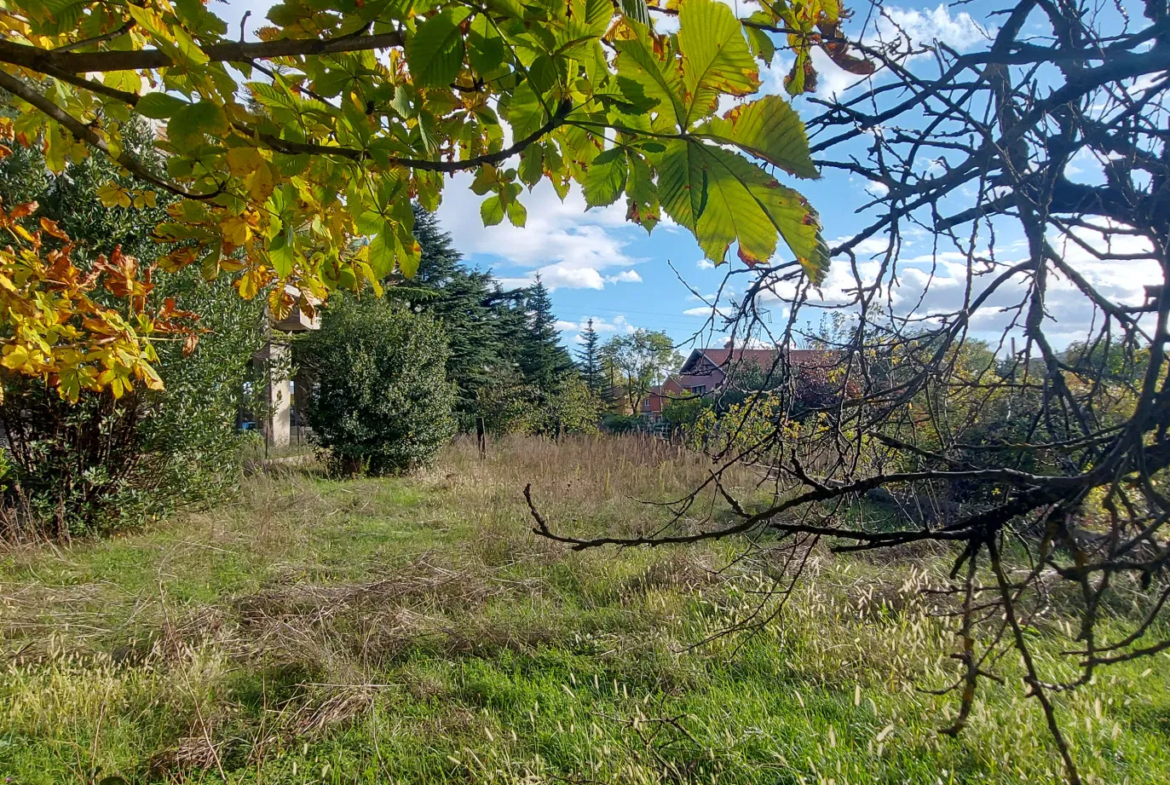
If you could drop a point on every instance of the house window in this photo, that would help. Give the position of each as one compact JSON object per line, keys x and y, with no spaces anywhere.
{"x":699,"y":389}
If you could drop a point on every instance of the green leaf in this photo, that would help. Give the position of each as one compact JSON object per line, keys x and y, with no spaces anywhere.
{"x":282,"y":253}
{"x":532,"y":164}
{"x":543,"y":74}
{"x":588,"y":20}
{"x":485,"y":46}
{"x":716,"y":58}
{"x":487,"y":177}
{"x":381,"y":251}
{"x":642,"y":194}
{"x":56,"y":150}
{"x":660,"y":81}
{"x":517,"y":214}
{"x":409,"y":255}
{"x":492,"y":211}
{"x":605,"y":179}
{"x":158,"y":106}
{"x":769,"y":129}
{"x":763,"y":49}
{"x":435,"y":52}
{"x":794,"y":82}
{"x":523,"y":112}
{"x":189,"y":51}
{"x":636,"y":10}
{"x":190,"y":123}
{"x":723,"y":198}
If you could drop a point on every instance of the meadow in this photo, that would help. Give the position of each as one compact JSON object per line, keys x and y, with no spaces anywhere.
{"x":415,"y":630}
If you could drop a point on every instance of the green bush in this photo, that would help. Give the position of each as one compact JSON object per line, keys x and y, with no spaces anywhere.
{"x":102,"y":465}
{"x":683,"y":413}
{"x":623,"y":423}
{"x":379,"y":401}
{"x":572,"y":408}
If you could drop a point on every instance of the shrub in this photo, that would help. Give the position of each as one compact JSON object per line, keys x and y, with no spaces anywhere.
{"x":622,"y":423}
{"x":683,"y":413}
{"x":572,"y":408}
{"x":380,"y":401}
{"x":104,"y":464}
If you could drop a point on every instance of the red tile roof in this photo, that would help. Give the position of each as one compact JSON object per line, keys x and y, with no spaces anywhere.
{"x":764,"y":358}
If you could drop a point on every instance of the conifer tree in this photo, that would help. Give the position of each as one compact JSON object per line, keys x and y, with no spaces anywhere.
{"x":542,"y":358}
{"x":589,"y":360}
{"x":462,"y":300}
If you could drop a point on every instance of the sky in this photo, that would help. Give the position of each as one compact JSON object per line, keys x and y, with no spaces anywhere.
{"x":599,"y":266}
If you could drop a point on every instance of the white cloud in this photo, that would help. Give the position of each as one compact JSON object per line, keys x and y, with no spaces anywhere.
{"x":569,"y":246}
{"x":625,"y":276}
{"x":619,"y":324}
{"x":930,"y":285}
{"x":705,"y":264}
{"x":900,"y":26}
{"x":704,"y":311}
{"x":925,"y":26}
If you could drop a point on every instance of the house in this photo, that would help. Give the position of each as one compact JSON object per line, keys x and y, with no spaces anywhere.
{"x":708,"y":371}
{"x":661,"y":395}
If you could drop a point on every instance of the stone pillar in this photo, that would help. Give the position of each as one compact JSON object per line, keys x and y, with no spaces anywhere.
{"x":302,"y":382}
{"x":276,"y":359}
{"x":273,"y":361}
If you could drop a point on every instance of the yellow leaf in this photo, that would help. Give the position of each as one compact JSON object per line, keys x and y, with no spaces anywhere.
{"x":113,"y":195}
{"x":15,"y":357}
{"x":249,"y":284}
{"x":236,"y":230}
{"x":261,"y":183}
{"x":244,"y":160}
{"x":153,"y":380}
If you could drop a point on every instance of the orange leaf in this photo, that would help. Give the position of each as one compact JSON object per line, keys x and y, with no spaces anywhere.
{"x":22,"y":210}
{"x":52,"y":228}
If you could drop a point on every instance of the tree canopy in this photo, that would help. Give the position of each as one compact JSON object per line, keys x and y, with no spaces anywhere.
{"x":638,"y":361}
{"x":285,"y":149}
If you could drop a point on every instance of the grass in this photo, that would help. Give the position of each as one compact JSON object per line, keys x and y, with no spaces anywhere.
{"x":414,"y":631}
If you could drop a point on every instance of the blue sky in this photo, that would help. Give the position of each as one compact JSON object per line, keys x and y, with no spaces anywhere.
{"x":599,"y":266}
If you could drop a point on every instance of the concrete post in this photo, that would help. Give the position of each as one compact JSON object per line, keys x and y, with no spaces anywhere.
{"x":273,"y":362}
{"x":275,"y":359}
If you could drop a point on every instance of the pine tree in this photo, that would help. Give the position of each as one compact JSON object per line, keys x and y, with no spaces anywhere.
{"x":589,"y":360}
{"x":462,"y":299}
{"x":542,"y":358}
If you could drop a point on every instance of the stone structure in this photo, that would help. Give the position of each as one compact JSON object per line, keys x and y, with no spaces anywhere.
{"x":275,"y":361}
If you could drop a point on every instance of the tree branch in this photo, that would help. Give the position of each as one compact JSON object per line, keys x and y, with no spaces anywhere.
{"x":43,"y":61}
{"x":87,"y":134}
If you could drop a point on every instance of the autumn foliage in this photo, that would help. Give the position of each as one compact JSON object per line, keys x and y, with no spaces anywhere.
{"x":59,"y":330}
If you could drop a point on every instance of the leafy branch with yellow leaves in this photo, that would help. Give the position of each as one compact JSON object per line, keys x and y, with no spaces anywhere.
{"x":286,"y":149}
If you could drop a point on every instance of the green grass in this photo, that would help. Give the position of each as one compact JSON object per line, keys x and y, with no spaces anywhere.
{"x":415,"y":631}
